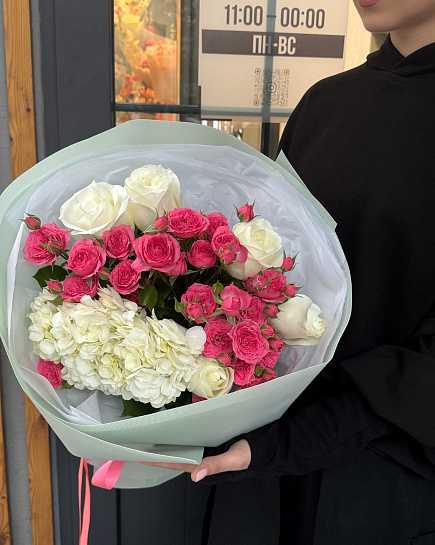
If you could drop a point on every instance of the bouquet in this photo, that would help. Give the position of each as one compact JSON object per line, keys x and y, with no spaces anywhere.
{"x":158,"y":292}
{"x":122,"y":314}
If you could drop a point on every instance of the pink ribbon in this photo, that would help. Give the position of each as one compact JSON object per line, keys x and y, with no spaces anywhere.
{"x":85,"y":517}
{"x":105,"y":477}
{"x":108,"y":474}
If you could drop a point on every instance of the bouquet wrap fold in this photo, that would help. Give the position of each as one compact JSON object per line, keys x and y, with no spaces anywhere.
{"x":216,"y":171}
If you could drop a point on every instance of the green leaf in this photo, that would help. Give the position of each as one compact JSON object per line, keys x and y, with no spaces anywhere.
{"x":163,"y":291}
{"x":185,"y":398}
{"x":148,"y":296}
{"x":189,"y":272}
{"x":218,"y":287}
{"x":217,"y":298}
{"x":179,"y":307}
{"x":52,"y":272}
{"x":135,"y":408}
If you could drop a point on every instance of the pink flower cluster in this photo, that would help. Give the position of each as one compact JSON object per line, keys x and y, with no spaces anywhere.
{"x":210,"y":239}
{"x":186,"y":243}
{"x":236,"y":329}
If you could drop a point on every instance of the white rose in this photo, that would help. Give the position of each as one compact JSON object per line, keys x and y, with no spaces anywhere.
{"x":152,"y":189}
{"x":298,"y":321}
{"x":211,"y":379}
{"x":263,"y":246}
{"x":95,"y":209}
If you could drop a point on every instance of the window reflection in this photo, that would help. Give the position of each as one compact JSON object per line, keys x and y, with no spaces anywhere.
{"x":146,"y":51}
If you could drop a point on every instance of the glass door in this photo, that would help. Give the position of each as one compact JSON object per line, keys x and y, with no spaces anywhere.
{"x":155,"y":67}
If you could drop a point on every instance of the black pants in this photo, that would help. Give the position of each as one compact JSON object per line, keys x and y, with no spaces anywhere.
{"x":369,"y":501}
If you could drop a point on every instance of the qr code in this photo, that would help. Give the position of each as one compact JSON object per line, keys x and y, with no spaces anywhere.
{"x":271,"y":87}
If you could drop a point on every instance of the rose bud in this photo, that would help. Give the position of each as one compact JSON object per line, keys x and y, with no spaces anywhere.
{"x":32,"y":222}
{"x":269,"y":375}
{"x":276,"y":344}
{"x":246,"y":213}
{"x":272,"y":311}
{"x":287,"y":264}
{"x":54,"y":286}
{"x":291,"y":290}
{"x":162,"y":223}
{"x":267,"y":330}
{"x":195,"y":312}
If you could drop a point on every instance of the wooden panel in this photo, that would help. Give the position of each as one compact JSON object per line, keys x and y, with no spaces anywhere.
{"x":23,"y":156}
{"x":38,"y":454}
{"x":5,"y":538}
{"x":20,"y":84}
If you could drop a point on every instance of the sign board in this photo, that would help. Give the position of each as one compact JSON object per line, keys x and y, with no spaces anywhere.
{"x":257,"y":59}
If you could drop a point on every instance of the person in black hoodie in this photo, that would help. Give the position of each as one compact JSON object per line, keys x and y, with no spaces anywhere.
{"x":352,"y":461}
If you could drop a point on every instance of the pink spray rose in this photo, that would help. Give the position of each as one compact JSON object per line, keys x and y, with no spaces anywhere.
{"x":216,"y":219}
{"x":76,"y":287}
{"x":198,"y":302}
{"x":162,"y":223}
{"x":32,"y":222}
{"x":201,"y":254}
{"x":269,"y":285}
{"x":246,"y":213}
{"x":227,"y":246}
{"x":51,"y":371}
{"x":160,"y":252}
{"x":276,"y":343}
{"x":255,"y":311}
{"x":271,"y":311}
{"x":54,"y":286}
{"x":269,"y":374}
{"x":218,"y":340}
{"x":287,"y":264}
{"x":186,"y":223}
{"x":50,"y":234}
{"x":269,"y":360}
{"x":180,"y":267}
{"x":118,"y":241}
{"x":248,"y":343}
{"x":234,"y":300}
{"x":291,"y":290}
{"x":124,"y":278}
{"x":86,"y":258}
{"x":267,"y":330}
{"x":243,"y":372}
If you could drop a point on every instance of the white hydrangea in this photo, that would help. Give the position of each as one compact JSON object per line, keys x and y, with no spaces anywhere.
{"x":110,"y":344}
{"x":43,"y":310}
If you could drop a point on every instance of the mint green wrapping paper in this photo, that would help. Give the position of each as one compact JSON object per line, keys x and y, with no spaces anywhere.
{"x":216,"y":171}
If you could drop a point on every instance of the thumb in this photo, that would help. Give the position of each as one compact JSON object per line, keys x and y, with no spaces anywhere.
{"x":237,"y":458}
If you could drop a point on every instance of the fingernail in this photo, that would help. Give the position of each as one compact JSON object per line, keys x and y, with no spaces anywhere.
{"x":201,"y":475}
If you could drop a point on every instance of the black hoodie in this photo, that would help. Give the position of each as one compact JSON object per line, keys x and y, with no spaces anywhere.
{"x":364,"y":144}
